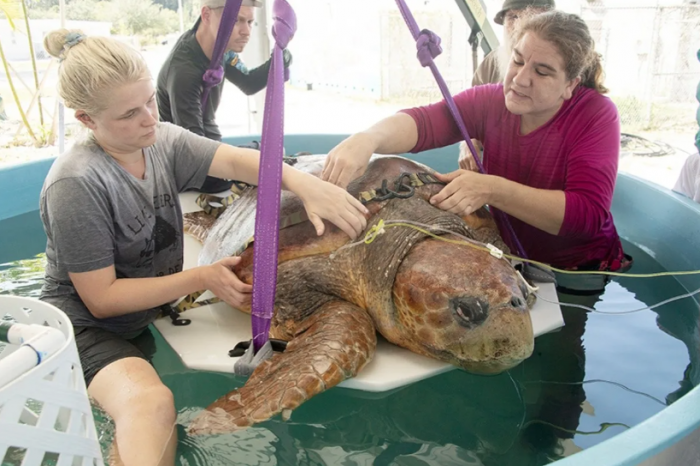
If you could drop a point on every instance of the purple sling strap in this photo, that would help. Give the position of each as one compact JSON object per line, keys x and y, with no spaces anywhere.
{"x":428,"y":44}
{"x":271,"y":157}
{"x":270,"y":179}
{"x":215,"y":74}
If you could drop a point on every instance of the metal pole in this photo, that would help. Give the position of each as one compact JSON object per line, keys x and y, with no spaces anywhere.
{"x":181,"y":14}
{"x":474,"y":39}
{"x":61,"y":110}
{"x":258,"y":51}
{"x":652,"y":64}
{"x":33,"y":57}
{"x":5,"y":332}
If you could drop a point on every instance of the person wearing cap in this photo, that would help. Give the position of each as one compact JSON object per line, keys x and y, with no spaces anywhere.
{"x":180,"y":85}
{"x":490,"y":69}
{"x":494,"y":64}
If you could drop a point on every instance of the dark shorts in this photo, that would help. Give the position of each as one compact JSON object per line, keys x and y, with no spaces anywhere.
{"x":592,"y":284}
{"x":99,"y":348}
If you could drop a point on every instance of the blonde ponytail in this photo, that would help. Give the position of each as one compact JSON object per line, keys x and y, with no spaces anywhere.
{"x":91,"y":67}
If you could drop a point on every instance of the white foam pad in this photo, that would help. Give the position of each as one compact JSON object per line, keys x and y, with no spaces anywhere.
{"x":217,"y":328}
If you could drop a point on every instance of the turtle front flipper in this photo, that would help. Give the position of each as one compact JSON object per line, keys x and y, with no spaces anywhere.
{"x":331,"y":345}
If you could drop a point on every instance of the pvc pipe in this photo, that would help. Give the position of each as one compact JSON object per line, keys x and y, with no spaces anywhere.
{"x":38,"y":343}
{"x":4,"y":330}
{"x":16,"y":364}
{"x":61,"y":110}
{"x":18,"y":334}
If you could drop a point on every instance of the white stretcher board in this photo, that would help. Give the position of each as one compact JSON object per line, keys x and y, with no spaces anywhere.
{"x":217,"y":328}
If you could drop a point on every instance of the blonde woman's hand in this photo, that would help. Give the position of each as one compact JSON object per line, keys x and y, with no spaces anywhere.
{"x":220,"y":279}
{"x":348,"y":160}
{"x":323,"y":200}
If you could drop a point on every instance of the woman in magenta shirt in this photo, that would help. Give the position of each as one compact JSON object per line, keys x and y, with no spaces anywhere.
{"x":551,"y":146}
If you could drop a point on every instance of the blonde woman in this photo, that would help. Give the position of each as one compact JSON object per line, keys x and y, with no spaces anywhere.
{"x":113,"y":221}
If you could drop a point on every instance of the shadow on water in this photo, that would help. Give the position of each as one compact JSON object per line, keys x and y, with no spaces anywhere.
{"x":454,"y":418}
{"x":679,"y":319}
{"x":537,"y":413}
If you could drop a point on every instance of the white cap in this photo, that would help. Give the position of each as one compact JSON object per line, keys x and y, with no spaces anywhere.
{"x":221,"y":3}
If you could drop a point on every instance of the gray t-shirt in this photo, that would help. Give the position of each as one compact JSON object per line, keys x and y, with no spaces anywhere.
{"x":96,"y":214}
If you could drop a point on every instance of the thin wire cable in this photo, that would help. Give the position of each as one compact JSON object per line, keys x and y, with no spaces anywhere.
{"x":381,"y":226}
{"x":165,"y":447}
{"x":617,"y":384}
{"x":379,"y":229}
{"x":647,"y":308}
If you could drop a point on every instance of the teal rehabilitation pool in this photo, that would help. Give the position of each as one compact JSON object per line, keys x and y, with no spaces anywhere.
{"x":605,"y":390}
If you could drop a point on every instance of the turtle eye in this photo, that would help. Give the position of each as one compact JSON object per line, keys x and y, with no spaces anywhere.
{"x":469,"y":312}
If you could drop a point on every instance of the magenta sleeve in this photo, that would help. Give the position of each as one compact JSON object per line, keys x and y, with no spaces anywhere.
{"x":437,"y":128}
{"x":591,"y":172}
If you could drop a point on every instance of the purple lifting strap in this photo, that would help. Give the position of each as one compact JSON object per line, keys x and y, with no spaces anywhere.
{"x":428,"y":44}
{"x":215,"y":74}
{"x":270,"y":179}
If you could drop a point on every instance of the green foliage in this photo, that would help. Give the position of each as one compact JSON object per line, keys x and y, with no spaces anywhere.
{"x":43,"y":9}
{"x":128,"y":17}
{"x":142,"y":17}
{"x":44,"y":13}
{"x":90,"y":10}
{"x":41,"y":5}
{"x":12,"y":11}
{"x":167,"y":4}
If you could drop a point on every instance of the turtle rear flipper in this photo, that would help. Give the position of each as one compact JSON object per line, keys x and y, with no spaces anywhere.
{"x":331,"y":345}
{"x":198,"y":224}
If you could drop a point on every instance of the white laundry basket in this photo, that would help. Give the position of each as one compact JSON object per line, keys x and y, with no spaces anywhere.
{"x":45,"y":413}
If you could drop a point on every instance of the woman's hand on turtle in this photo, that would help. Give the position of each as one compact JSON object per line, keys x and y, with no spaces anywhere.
{"x":348,"y":160}
{"x":466,"y":160}
{"x":221,"y":280}
{"x":466,"y":192}
{"x":324,"y":200}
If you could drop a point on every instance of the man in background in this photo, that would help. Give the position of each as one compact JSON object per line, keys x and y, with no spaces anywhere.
{"x":180,"y":85}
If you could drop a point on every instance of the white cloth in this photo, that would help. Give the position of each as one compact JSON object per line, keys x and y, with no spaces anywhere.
{"x":688,"y":182}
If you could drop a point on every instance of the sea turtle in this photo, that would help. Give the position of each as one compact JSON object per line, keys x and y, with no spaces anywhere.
{"x":448,"y":301}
